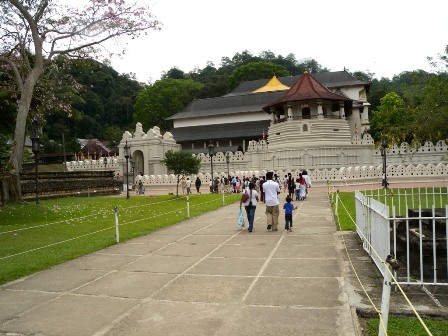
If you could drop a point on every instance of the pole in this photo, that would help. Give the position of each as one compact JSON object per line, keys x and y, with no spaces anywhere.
{"x":63,"y":149}
{"x":211,"y":166}
{"x":384,"y":170}
{"x":188,"y":207}
{"x":390,"y":265}
{"x":385,"y":301}
{"x":117,"y":232}
{"x":127,"y":178}
{"x":36,"y":159}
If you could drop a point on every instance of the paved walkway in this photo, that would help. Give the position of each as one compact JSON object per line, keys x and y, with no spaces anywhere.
{"x":203,"y":276}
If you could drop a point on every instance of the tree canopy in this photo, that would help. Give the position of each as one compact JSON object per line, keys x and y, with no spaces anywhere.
{"x":256,"y":70}
{"x":34,"y":33}
{"x":163,"y":99}
{"x":181,"y":163}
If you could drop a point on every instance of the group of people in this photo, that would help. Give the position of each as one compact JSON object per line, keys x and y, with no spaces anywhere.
{"x":186,"y":185}
{"x":268,"y":192}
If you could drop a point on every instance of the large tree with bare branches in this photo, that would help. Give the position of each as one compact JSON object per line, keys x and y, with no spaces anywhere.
{"x":35,"y":32}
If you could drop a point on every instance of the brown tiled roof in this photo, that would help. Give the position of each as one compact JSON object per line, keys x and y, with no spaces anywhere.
{"x":305,"y":89}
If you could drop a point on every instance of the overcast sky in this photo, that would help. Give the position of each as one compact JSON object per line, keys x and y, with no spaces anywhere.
{"x":379,"y":36}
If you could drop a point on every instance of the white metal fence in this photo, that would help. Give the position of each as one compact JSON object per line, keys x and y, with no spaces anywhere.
{"x":410,"y":224}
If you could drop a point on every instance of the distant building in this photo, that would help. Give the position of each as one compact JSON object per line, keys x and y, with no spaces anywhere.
{"x":231,"y":121}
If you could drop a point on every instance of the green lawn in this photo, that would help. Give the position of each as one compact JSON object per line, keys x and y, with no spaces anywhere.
{"x":36,"y":237}
{"x":406,"y":326}
{"x":398,"y":199}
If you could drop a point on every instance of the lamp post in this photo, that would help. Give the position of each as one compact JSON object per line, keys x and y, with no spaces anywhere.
{"x":211,"y":152}
{"x":383,"y":155}
{"x":126,"y":155}
{"x":35,"y":147}
{"x":133,"y":171}
{"x":105,"y":163}
{"x":228,"y":163}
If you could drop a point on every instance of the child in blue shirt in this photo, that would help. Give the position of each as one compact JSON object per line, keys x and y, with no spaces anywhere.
{"x":289,"y":207}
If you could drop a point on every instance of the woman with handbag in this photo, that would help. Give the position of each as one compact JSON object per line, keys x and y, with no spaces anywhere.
{"x":249,"y":198}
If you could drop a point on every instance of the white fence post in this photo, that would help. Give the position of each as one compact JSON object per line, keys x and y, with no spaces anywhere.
{"x":337,"y":203}
{"x":117,"y":233}
{"x":188,"y":207}
{"x":389,"y":264}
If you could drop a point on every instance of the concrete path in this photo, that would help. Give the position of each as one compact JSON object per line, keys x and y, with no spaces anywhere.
{"x":203,"y":276}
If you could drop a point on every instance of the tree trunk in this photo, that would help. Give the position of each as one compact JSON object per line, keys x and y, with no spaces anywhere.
{"x":26,"y":96}
{"x":22,"y":115}
{"x":8,"y":189}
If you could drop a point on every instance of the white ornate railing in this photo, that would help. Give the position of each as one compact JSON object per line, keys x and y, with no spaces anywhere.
{"x":93,"y":165}
{"x":346,"y":174}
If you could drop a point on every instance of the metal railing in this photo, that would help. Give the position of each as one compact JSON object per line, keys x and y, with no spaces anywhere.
{"x":411,"y":224}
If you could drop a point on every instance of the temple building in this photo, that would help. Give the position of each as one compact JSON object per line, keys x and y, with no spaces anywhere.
{"x":315,"y":122}
{"x":329,"y":108}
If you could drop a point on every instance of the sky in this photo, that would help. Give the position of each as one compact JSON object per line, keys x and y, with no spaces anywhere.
{"x":377,"y":36}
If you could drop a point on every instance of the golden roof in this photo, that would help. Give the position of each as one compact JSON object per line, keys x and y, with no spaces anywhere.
{"x":273,"y":85}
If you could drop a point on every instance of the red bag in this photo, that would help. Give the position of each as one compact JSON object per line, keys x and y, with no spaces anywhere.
{"x":245,"y":196}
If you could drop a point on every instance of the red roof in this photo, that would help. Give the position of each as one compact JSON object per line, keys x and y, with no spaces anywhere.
{"x":306,"y":88}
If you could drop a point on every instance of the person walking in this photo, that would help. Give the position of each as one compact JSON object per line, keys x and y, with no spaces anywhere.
{"x":261,"y":188}
{"x":302,"y":187}
{"x":183,"y":183}
{"x":198,"y":183}
{"x":290,"y":185}
{"x":289,"y":207}
{"x":297,"y":189}
{"x":188,"y":186}
{"x":307,"y":182}
{"x":250,"y":204}
{"x":271,"y":190}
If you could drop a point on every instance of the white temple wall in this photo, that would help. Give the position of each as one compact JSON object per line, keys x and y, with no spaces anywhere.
{"x":342,"y":175}
{"x":356,"y":161}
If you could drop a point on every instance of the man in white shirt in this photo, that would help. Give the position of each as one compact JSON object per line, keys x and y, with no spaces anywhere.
{"x":271,"y":190}
{"x":188,"y":185}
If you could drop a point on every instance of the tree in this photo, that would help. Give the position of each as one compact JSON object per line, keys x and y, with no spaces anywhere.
{"x":393,"y":119}
{"x":174,"y":73}
{"x":34,"y":32}
{"x":163,"y":99}
{"x":181,"y":163}
{"x":113,"y":134}
{"x":256,"y":70}
{"x":440,"y":61}
{"x":363,"y":76}
{"x":431,"y":115}
{"x":4,"y":154}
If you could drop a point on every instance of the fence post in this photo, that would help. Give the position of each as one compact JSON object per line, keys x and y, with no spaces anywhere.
{"x":337,"y":203}
{"x":188,"y":207}
{"x":117,"y":233}
{"x":223,"y":201}
{"x":389,"y":264}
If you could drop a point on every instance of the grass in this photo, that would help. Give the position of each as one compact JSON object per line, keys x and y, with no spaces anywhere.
{"x":395,"y":198}
{"x":36,"y":237}
{"x":406,"y":326}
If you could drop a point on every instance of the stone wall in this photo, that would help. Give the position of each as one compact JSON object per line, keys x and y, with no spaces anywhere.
{"x":57,"y":184}
{"x":356,"y":160}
